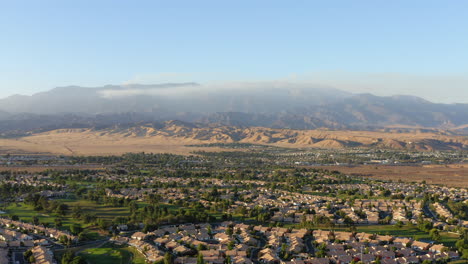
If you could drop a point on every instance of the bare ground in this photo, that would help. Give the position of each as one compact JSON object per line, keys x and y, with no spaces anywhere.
{"x":173,"y":139}
{"x":455,"y":175}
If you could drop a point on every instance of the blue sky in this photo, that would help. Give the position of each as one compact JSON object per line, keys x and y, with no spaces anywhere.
{"x":383,"y":47}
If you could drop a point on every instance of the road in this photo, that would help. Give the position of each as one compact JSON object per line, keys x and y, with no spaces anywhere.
{"x":255,"y":251}
{"x":18,"y":257}
{"x":310,"y":247}
{"x":428,"y":212}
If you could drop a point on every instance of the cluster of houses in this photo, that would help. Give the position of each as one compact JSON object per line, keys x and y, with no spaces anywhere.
{"x":186,"y":241}
{"x":37,"y":229}
{"x":344,"y":247}
{"x":406,"y":189}
{"x":35,"y":180}
{"x":243,"y":243}
{"x":292,"y":207}
{"x":442,"y":211}
{"x":12,"y":239}
{"x":170,"y":193}
{"x":42,"y":255}
{"x":150,"y":251}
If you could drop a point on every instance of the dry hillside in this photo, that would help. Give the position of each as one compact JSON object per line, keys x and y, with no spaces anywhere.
{"x":173,"y":136}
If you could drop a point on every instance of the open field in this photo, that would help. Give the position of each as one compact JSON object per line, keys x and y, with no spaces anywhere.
{"x":95,"y":144}
{"x":455,"y":175}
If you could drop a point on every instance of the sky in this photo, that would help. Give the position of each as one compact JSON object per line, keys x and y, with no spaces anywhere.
{"x":380,"y":47}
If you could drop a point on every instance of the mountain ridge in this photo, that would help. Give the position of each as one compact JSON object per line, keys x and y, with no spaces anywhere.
{"x":174,"y":135}
{"x":272,"y":105}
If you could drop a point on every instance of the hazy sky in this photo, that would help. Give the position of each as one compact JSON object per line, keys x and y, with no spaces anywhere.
{"x":381,"y":47}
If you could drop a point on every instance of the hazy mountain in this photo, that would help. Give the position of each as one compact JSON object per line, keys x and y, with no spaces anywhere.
{"x":357,"y":111}
{"x":167,"y":99}
{"x":275,"y":105}
{"x":75,"y":99}
{"x":4,"y":115}
{"x":370,"y":110}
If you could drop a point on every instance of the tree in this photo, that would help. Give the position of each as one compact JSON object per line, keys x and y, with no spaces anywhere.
{"x":58,"y":222}
{"x":133,"y":207}
{"x":399,"y":224}
{"x":465,"y":254}
{"x":78,"y":260}
{"x":76,"y":229}
{"x":229,"y":231}
{"x":27,"y":254}
{"x":67,"y":257}
{"x":102,"y":223}
{"x":168,"y":258}
{"x":201,"y":247}
{"x":65,"y":240}
{"x":61,"y":209}
{"x":435,"y":235}
{"x":348,"y":221}
{"x":231,"y":245}
{"x":200,"y":259}
{"x":210,"y":232}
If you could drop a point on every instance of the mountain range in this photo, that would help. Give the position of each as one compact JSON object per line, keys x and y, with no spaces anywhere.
{"x":271,"y":105}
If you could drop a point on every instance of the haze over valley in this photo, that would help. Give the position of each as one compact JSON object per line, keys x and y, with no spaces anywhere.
{"x":268,"y":104}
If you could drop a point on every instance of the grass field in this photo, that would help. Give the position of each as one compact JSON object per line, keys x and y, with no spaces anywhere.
{"x":112,"y":254}
{"x":100,"y":210}
{"x":26,"y":212}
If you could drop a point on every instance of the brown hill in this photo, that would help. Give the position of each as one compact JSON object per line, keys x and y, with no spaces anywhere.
{"x":173,"y":136}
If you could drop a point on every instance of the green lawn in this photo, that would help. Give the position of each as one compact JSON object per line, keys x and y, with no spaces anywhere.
{"x":26,"y":212}
{"x":460,"y":261}
{"x":105,"y":256}
{"x":21,"y":209}
{"x":113,"y":254}
{"x":100,"y":210}
{"x":137,"y":257}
